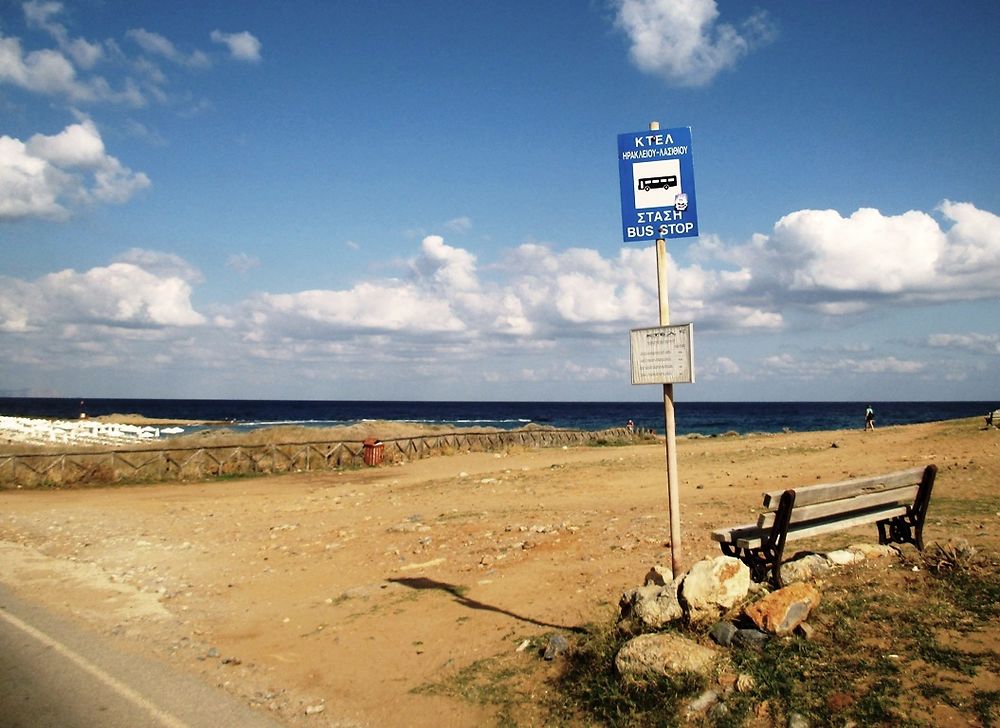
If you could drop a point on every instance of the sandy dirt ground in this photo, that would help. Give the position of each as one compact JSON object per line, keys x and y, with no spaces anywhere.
{"x":338,"y":598}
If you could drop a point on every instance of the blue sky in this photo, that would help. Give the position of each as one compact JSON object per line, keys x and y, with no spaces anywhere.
{"x":402,"y":200}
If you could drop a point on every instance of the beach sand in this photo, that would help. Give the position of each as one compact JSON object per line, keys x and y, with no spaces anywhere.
{"x":363,"y":590}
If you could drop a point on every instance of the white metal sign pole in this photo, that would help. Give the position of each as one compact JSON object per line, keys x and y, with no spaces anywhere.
{"x":670,"y":430}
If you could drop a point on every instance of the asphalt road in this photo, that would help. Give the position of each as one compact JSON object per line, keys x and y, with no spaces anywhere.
{"x":53,"y":673}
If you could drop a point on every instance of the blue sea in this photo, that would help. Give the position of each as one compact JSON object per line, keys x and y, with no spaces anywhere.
{"x":707,"y":418}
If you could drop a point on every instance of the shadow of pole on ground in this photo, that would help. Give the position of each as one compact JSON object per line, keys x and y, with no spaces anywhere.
{"x":422,"y":582}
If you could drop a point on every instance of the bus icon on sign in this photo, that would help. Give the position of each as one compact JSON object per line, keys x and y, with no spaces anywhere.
{"x":650,"y":183}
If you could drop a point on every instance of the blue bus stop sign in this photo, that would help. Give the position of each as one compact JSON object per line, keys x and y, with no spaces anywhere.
{"x":656,"y":174}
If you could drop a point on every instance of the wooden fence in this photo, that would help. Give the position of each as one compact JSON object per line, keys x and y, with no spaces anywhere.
{"x":196,"y":463}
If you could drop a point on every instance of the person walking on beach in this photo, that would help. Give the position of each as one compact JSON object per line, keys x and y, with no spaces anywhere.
{"x":869,"y":419}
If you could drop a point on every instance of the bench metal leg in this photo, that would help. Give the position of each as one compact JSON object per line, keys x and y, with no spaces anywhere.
{"x":909,"y":528}
{"x":765,"y":561}
{"x":901,"y":529}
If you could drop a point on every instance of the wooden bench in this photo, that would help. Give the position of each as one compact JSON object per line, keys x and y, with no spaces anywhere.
{"x":896,"y":502}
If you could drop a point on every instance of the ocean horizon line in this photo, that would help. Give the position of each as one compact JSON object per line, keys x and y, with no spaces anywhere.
{"x":706,"y":417}
{"x":85,"y":398}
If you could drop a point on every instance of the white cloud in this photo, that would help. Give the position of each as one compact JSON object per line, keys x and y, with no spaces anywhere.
{"x":78,"y":145}
{"x":546,"y":296}
{"x":160,"y":45}
{"x":388,"y":306}
{"x":682,"y":40}
{"x":45,"y":71}
{"x":242,"y":46}
{"x":160,"y":264}
{"x":976,"y":343}
{"x":49,"y":174}
{"x":453,"y":268}
{"x":242,"y":262}
{"x":973,"y":250}
{"x":542,"y":315}
{"x":442,"y":299}
{"x":459,"y":225}
{"x":579,"y":288}
{"x":120,"y":295}
{"x":817,"y":366}
{"x":138,"y":130}
{"x":861,"y":253}
{"x":67,"y":69}
{"x":723,"y":365}
{"x":25,"y":188}
{"x":41,"y":15}
{"x":52,"y":72}
{"x":837,"y":266}
{"x":888,"y":364}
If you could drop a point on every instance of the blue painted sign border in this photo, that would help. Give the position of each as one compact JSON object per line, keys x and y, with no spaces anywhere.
{"x":656,"y":174}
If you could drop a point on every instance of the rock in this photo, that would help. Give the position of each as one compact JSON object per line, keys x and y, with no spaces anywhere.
{"x":557,"y":646}
{"x":722,"y":633}
{"x":797,"y":720}
{"x":805,"y":568}
{"x":749,"y":638}
{"x":662,"y":654}
{"x":658,"y":575}
{"x":713,"y":585}
{"x":650,"y":607}
{"x":844,"y":557}
{"x":645,"y":593}
{"x":782,"y":611}
{"x":702,"y":703}
{"x":664,"y":607}
{"x":315,"y":709}
{"x":874,"y":550}
{"x":628,"y":600}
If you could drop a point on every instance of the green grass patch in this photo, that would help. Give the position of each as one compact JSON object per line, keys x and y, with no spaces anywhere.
{"x":593,"y":693}
{"x":941,"y":508}
{"x":986,"y":705}
{"x":490,"y":681}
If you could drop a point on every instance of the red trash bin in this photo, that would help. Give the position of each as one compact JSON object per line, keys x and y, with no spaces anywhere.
{"x":374,"y":451}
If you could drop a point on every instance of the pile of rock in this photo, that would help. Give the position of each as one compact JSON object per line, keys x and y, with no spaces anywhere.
{"x":713,"y":588}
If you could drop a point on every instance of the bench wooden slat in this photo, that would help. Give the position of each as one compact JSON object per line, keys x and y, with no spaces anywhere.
{"x":902,"y":496}
{"x":815,"y":528}
{"x":725,"y":535}
{"x":845,"y":489}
